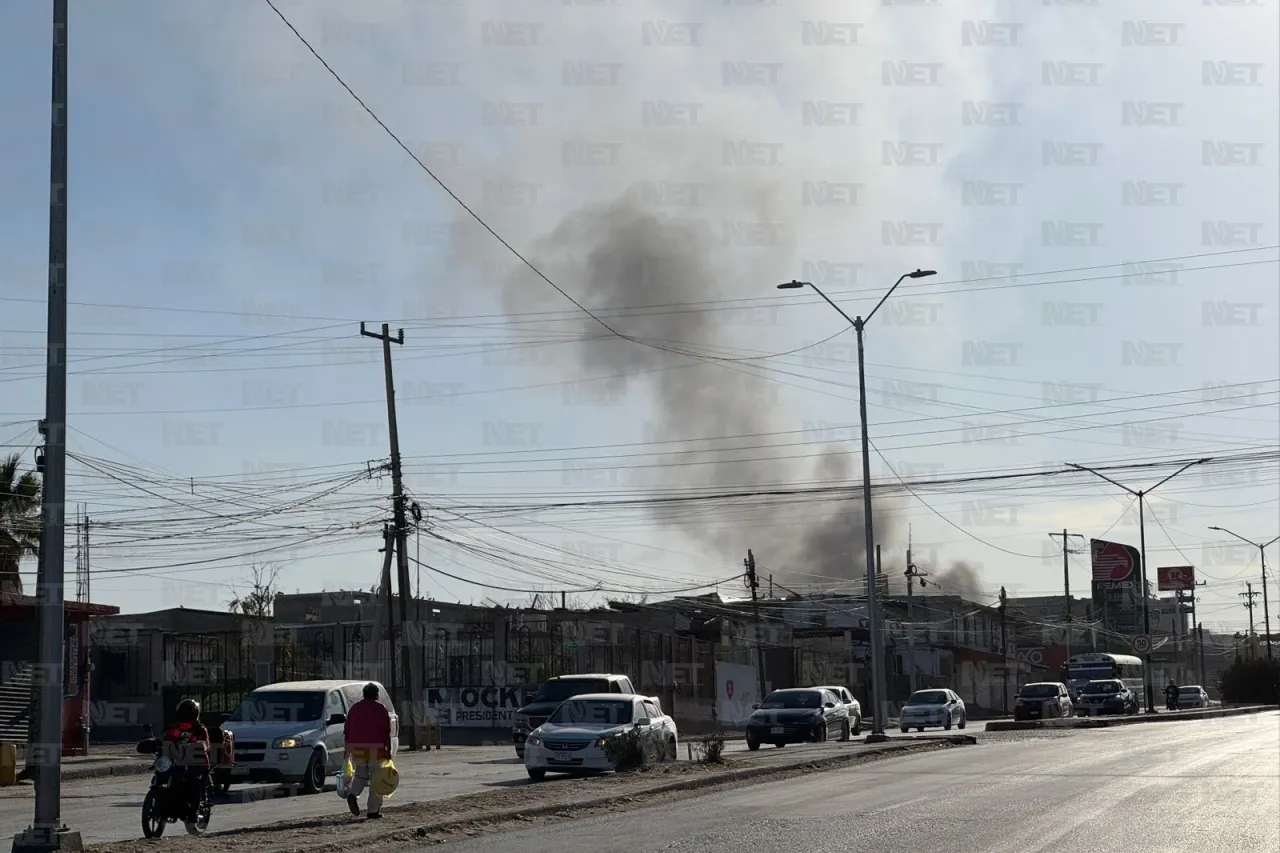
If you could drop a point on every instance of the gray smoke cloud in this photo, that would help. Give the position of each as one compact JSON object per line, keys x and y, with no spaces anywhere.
{"x":960,"y":578}
{"x":623,"y":252}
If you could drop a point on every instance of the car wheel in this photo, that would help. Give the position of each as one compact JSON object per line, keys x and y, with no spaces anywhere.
{"x":672,"y":753}
{"x":857,"y":725}
{"x":753,"y":745}
{"x":947,"y":724}
{"x":313,"y":781}
{"x":537,"y":774}
{"x":780,"y":744}
{"x":520,"y":753}
{"x":919,"y":728}
{"x":820,"y":733}
{"x":905,"y":730}
{"x":963,"y":720}
{"x":845,"y":731}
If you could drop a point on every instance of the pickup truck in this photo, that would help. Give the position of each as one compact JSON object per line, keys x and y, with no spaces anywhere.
{"x":558,"y":689}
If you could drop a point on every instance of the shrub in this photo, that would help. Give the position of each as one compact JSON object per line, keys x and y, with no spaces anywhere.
{"x":711,"y":750}
{"x":623,"y":750}
{"x":1255,"y":681}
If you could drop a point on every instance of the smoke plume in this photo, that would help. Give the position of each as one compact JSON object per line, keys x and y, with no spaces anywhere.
{"x":960,"y":578}
{"x":623,"y":252}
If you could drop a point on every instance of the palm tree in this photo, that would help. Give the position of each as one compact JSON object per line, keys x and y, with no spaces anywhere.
{"x":19,"y":521}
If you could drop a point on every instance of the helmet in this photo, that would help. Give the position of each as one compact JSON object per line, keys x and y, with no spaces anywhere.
{"x":188,"y":711}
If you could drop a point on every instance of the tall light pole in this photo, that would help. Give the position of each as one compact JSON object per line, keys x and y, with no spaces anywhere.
{"x":1262,"y":552}
{"x":47,"y":832}
{"x":1142,"y":540}
{"x":879,"y":698}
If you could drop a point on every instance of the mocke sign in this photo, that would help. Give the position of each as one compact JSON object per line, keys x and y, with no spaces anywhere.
{"x":471,"y":707}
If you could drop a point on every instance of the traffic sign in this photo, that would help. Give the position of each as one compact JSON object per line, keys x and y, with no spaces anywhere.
{"x":1142,"y":643}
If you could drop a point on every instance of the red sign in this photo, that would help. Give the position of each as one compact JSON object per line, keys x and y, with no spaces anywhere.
{"x":728,"y":689}
{"x":1113,"y":561}
{"x":1174,"y":578}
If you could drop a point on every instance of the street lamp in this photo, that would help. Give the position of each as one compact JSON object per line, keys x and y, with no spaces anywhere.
{"x":1262,"y":551}
{"x":878,"y":688}
{"x":1142,"y":540}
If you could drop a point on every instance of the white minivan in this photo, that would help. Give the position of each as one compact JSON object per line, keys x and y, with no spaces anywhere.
{"x":291,"y":732}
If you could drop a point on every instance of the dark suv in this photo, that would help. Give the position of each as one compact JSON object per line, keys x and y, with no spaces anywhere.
{"x":557,"y":690}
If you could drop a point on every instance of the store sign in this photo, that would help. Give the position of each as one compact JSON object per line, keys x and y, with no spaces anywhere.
{"x":478,"y":706}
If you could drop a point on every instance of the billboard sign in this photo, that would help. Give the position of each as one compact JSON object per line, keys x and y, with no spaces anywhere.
{"x":1175,"y":578}
{"x":737,"y":689}
{"x":1117,"y":585}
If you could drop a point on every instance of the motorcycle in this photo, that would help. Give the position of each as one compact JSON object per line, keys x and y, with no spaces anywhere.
{"x":170,"y":797}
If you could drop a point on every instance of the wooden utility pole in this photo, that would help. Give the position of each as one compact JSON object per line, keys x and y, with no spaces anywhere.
{"x":1004,"y":645}
{"x":408,"y":702}
{"x":753,"y":582}
{"x":1248,"y":597}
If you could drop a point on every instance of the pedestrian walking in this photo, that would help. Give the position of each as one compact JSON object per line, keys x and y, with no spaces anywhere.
{"x":367,"y":736}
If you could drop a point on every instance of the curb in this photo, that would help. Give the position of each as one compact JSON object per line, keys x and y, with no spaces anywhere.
{"x":524,"y":814}
{"x":1108,"y":722}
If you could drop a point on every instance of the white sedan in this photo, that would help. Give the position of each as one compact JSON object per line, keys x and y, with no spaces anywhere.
{"x":1193,"y":696}
{"x":581,"y":735}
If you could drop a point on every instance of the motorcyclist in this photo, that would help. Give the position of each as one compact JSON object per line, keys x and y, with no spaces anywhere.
{"x":1171,"y":696}
{"x":186,"y":743}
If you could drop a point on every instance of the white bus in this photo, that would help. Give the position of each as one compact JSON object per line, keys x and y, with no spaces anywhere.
{"x":1092,"y":666}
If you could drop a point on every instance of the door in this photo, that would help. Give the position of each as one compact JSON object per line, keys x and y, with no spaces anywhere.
{"x":643,"y":709}
{"x":334,"y":739}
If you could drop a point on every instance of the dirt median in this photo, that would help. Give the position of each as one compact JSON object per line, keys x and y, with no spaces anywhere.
{"x":519,"y":804}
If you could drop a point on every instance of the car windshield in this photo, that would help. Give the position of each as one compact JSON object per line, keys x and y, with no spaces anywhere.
{"x":590,"y":712}
{"x":1102,"y":687}
{"x":928,"y":697}
{"x":1094,"y":672}
{"x":1191,"y":691}
{"x":567,"y":688}
{"x":1039,"y":691}
{"x":782,"y":699}
{"x":279,"y":706}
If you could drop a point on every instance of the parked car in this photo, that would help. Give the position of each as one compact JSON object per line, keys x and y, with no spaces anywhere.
{"x":1106,"y":696}
{"x":1193,"y":696}
{"x":930,"y":708}
{"x":576,"y":736}
{"x":851,"y":705}
{"x":797,"y":715}
{"x":1043,"y":700}
{"x":557,"y":690}
{"x":291,"y":732}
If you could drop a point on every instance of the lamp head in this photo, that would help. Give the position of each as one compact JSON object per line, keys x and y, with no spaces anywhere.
{"x":792,"y":285}
{"x":921,"y":273}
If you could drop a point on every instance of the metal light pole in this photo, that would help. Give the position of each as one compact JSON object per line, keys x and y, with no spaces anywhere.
{"x":1262,"y":552}
{"x":878,"y":686}
{"x":47,"y":832}
{"x":1142,"y":543}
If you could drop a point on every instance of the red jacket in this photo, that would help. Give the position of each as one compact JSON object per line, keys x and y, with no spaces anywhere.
{"x":187,"y":744}
{"x":368,"y":727}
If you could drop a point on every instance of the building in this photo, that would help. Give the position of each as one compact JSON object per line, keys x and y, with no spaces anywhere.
{"x":19,"y":640}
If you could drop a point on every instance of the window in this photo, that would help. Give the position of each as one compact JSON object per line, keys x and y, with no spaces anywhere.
{"x":651,"y":710}
{"x":615,"y":687}
{"x":333,"y":705}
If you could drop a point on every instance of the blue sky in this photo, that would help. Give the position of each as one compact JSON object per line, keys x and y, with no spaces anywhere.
{"x":234,"y":216}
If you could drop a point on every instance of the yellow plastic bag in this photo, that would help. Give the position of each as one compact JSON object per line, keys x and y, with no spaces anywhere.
{"x":386,"y":779}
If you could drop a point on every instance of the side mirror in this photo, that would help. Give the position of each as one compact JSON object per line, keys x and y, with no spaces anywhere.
{"x":755,"y":706}
{"x":642,"y":722}
{"x":336,"y":720}
{"x":828,"y":705}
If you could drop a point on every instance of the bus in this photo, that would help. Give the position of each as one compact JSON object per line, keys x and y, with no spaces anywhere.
{"x":1093,"y":666}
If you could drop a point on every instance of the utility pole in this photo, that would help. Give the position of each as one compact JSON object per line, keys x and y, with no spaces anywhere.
{"x":1004,"y":645}
{"x":47,"y":831}
{"x":912,"y":573}
{"x":754,"y":583}
{"x":387,"y":549}
{"x":1200,"y":638}
{"x":1066,"y":576}
{"x":1248,"y":602}
{"x":412,"y":696}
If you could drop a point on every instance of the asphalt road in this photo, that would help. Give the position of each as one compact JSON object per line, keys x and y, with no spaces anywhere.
{"x":109,"y":808}
{"x":1197,"y":787}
